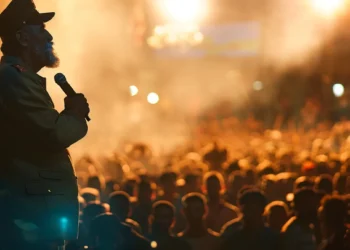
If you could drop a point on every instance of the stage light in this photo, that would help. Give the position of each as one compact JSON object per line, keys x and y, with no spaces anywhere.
{"x":153,"y":98}
{"x":327,"y":7}
{"x":133,"y":90}
{"x":338,"y":89}
{"x":184,"y":11}
{"x":258,"y":85}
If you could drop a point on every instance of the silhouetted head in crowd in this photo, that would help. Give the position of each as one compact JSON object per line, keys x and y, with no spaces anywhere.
{"x":95,"y":182}
{"x":90,"y":194}
{"x":333,"y":214}
{"x":105,"y":232}
{"x":236,"y":181}
{"x":216,"y":157}
{"x":268,"y":170}
{"x":92,"y":210}
{"x":269,"y":186}
{"x":305,"y":205}
{"x":324,"y":183}
{"x":285,"y":161}
{"x":339,"y":182}
{"x":232,"y":167}
{"x":345,"y":169}
{"x":276,"y":215}
{"x":214,"y":185}
{"x":250,"y":177}
{"x":144,"y":192}
{"x":335,"y":164}
{"x":303,"y":182}
{"x":192,"y":183}
{"x":322,"y":168}
{"x":111,"y":186}
{"x":252,"y":203}
{"x":140,"y":152}
{"x":120,"y":204}
{"x":195,"y":208}
{"x":129,"y":186}
{"x":168,"y":183}
{"x":163,"y":217}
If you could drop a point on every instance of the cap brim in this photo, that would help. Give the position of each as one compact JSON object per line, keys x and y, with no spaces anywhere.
{"x":45,"y":17}
{"x":39,"y":18}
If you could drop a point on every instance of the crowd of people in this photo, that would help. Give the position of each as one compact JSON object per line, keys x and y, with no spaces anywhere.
{"x":232,"y":185}
{"x":228,"y":188}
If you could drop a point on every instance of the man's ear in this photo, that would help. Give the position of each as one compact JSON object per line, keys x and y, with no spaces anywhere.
{"x":22,"y":38}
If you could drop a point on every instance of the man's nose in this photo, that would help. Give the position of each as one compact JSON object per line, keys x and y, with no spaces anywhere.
{"x":49,"y":36}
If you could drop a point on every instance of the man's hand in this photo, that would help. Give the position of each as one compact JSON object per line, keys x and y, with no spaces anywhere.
{"x":77,"y":104}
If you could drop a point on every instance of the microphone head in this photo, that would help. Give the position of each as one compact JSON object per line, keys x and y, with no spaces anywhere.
{"x":60,"y":78}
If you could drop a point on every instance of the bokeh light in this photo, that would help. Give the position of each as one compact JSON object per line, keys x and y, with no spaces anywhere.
{"x":154,"y":244}
{"x":258,"y":85}
{"x":64,"y":223}
{"x":133,"y":90}
{"x":153,"y":98}
{"x":327,"y":7}
{"x":184,"y":10}
{"x":290,"y":197}
{"x":338,"y":89}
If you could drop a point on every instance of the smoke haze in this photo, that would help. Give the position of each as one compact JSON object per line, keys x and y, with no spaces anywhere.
{"x":94,"y":42}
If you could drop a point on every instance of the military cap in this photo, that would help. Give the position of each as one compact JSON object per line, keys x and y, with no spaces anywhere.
{"x":19,"y":13}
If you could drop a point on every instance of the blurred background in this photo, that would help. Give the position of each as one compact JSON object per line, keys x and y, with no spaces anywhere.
{"x":155,"y":69}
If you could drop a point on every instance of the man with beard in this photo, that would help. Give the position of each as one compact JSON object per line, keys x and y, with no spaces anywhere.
{"x":38,"y":188}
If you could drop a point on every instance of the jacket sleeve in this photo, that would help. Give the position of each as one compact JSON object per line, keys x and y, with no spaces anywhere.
{"x":28,"y":109}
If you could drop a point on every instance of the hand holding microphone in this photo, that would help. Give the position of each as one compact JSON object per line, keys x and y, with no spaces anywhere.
{"x":78,"y":105}
{"x":74,"y":102}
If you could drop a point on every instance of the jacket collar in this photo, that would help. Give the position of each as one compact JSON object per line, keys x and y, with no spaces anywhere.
{"x":16,"y":61}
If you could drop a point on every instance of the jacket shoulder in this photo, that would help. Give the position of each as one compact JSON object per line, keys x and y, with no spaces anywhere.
{"x":9,"y":74}
{"x":9,"y":71}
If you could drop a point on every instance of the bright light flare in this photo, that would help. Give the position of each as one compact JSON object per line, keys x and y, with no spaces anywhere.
{"x":327,"y":7}
{"x":184,"y":10}
{"x":338,"y":89}
{"x":153,"y":98}
{"x":133,"y":90}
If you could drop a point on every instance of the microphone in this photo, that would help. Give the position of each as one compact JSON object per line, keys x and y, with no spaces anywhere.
{"x":61,"y":81}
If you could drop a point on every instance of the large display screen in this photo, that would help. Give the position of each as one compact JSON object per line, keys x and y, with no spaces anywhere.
{"x":241,"y":39}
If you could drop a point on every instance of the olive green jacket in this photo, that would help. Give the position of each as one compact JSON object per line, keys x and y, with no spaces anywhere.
{"x":38,"y":187}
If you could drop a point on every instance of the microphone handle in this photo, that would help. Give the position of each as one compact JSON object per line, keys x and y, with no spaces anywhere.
{"x":69,"y":91}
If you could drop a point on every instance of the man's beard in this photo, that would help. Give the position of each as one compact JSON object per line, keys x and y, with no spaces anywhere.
{"x":51,"y":58}
{"x":48,"y":57}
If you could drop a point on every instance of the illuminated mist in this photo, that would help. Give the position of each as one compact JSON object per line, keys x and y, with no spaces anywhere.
{"x":94,"y":42}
